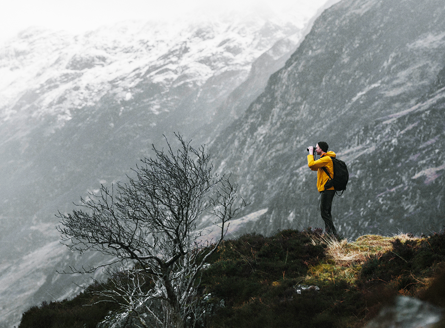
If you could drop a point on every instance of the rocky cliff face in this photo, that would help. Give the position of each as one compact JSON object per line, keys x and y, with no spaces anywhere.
{"x":368,"y":79}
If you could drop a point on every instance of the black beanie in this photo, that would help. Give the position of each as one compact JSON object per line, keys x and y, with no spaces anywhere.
{"x":323,"y":146}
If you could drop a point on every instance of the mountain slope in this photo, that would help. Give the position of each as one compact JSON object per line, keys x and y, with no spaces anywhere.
{"x":368,"y":79}
{"x":77,"y":111}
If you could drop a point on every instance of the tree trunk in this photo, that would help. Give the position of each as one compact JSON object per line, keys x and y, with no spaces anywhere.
{"x":174,"y":308}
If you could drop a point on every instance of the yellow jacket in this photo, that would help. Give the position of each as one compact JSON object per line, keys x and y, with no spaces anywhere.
{"x":324,"y":161}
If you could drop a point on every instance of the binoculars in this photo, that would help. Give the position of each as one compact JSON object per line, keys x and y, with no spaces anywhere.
{"x":308,"y":148}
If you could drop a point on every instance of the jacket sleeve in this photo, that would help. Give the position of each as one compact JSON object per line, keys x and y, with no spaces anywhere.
{"x":310,"y":161}
{"x":315,"y":165}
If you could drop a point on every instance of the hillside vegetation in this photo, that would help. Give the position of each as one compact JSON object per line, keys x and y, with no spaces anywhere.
{"x":292,"y":279}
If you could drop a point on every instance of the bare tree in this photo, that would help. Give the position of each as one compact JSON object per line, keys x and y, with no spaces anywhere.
{"x":149,"y":226}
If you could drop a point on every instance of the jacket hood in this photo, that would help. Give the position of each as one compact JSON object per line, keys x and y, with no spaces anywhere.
{"x":331,"y":154}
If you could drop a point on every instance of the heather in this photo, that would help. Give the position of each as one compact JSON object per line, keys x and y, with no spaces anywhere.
{"x":292,"y":279}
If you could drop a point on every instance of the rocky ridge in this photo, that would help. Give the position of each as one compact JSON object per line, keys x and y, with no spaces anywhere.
{"x":368,"y":79}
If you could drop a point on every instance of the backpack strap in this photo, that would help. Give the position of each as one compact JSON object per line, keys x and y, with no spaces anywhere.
{"x":326,"y":171}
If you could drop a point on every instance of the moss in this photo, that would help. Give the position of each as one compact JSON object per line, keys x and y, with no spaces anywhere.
{"x":255,"y":277}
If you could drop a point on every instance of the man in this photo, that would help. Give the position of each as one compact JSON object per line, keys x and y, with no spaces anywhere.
{"x":326,"y":195}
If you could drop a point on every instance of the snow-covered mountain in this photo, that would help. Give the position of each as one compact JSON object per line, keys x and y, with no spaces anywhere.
{"x":77,"y":111}
{"x":369,"y":80}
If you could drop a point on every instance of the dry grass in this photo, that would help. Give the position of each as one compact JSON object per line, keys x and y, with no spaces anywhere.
{"x":345,"y":259}
{"x":358,"y":251}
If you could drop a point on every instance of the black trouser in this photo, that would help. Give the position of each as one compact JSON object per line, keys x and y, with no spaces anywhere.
{"x":325,"y":208}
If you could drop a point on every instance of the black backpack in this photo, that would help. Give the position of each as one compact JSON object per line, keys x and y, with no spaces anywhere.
{"x":341,"y":176}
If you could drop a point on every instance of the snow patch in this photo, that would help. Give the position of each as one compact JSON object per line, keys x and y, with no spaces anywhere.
{"x":390,"y":190}
{"x":22,"y":278}
{"x":291,"y":217}
{"x":351,"y":154}
{"x":430,"y":41}
{"x":419,"y":107}
{"x":365,"y":91}
{"x":430,"y":174}
{"x":409,"y":127}
{"x":429,"y":142}
{"x":362,"y":7}
{"x":212,"y":233}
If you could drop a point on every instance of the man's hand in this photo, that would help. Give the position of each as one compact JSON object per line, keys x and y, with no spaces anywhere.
{"x":311,"y":150}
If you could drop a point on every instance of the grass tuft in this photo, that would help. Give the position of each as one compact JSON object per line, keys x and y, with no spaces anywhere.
{"x":300,"y":279}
